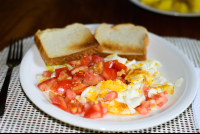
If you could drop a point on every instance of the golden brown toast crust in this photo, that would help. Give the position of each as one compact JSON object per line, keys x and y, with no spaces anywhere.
{"x":64,"y":59}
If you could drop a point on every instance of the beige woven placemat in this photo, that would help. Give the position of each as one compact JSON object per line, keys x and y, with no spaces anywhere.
{"x":22,"y":115}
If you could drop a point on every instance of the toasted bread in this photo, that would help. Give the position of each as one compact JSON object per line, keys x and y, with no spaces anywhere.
{"x":61,"y":45}
{"x":127,"y":40}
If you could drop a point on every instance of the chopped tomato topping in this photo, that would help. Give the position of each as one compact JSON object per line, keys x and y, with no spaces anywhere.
{"x":47,"y":74}
{"x":110,"y":96}
{"x":97,"y":59}
{"x":146,"y":91}
{"x":105,"y":110}
{"x":51,"y":95}
{"x":63,"y":86}
{"x":85,"y":60}
{"x":144,"y":108}
{"x":119,"y":66}
{"x":92,"y":79}
{"x":114,"y":64}
{"x":88,"y":105}
{"x":110,"y":64}
{"x":109,"y":73}
{"x":75,"y":63}
{"x":80,"y":88}
{"x":49,"y":84}
{"x":70,"y":94}
{"x":58,"y":100}
{"x":73,"y":108}
{"x":54,"y":98}
{"x":96,"y":111}
{"x":79,"y":76}
{"x":63,"y":75}
{"x":160,"y":98}
{"x":98,"y":68}
{"x":60,"y":70}
{"x":79,"y":69}
{"x":80,"y":108}
{"x":63,"y":104}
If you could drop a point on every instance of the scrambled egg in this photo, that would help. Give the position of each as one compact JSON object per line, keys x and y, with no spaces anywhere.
{"x":129,"y":95}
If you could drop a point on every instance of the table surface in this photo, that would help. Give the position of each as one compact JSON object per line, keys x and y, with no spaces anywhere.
{"x":22,"y":18}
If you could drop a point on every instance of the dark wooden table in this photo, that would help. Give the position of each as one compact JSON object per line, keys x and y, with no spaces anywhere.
{"x":22,"y":18}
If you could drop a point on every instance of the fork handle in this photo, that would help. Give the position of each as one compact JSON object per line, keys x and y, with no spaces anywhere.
{"x":4,"y":90}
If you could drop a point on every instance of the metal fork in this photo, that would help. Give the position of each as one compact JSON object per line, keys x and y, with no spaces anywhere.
{"x":14,"y":58}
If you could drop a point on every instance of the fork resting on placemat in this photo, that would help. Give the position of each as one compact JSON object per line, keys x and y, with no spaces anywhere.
{"x":14,"y":58}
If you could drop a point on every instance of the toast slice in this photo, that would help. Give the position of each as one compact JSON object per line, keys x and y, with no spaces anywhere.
{"x":127,"y":40}
{"x":61,"y":45}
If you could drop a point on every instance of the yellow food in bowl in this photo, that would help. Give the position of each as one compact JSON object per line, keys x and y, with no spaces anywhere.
{"x":180,"y":6}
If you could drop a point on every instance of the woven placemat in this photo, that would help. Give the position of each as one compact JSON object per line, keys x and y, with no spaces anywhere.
{"x":22,"y":116}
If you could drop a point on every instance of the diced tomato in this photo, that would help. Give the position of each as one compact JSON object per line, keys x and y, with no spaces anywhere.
{"x":146,"y":91}
{"x":63,"y":75}
{"x":119,"y":66}
{"x":110,"y":64}
{"x":92,"y":79}
{"x":110,"y":96}
{"x":47,"y":74}
{"x":63,"y":86}
{"x":57,"y":71}
{"x":80,"y":108}
{"x":105,"y":110}
{"x":85,"y":60}
{"x":97,"y":59}
{"x":76,"y":82}
{"x":79,"y":69}
{"x":58,"y":100}
{"x":98,"y":68}
{"x":75,"y":107}
{"x":75,"y":63}
{"x":51,"y":95}
{"x":49,"y":84}
{"x":160,"y":98}
{"x":114,"y":64}
{"x":97,"y":111}
{"x":70,"y":94}
{"x":144,"y":108}
{"x":92,"y":114}
{"x":79,"y":76}
{"x":109,"y":73}
{"x":88,"y":105}
{"x":80,"y":88}
{"x":100,"y":108}
{"x":55,"y":100}
{"x":63,"y":104}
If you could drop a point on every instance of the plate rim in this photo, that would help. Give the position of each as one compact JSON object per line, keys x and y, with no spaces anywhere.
{"x":175,"y":14}
{"x":25,"y":85}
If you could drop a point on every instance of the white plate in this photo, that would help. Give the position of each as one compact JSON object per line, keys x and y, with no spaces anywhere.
{"x":138,"y":3}
{"x":175,"y":65}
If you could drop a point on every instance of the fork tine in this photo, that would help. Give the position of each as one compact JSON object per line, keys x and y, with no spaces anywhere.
{"x":17,"y":49}
{"x":10,"y":50}
{"x":14,"y":49}
{"x":21,"y":49}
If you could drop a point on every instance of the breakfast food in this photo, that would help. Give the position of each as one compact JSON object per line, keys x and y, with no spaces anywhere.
{"x":127,"y":40}
{"x":61,"y":45}
{"x":95,"y":86}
